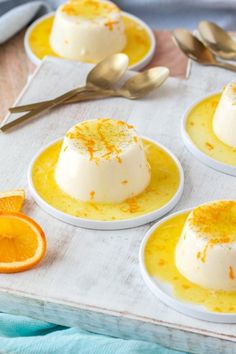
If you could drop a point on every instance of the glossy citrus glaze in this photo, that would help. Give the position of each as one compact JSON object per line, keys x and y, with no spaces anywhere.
{"x":138,"y":40}
{"x":160,"y":263}
{"x":164,"y":184}
{"x":199,"y":128}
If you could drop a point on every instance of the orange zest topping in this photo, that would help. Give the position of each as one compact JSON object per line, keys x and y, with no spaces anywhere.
{"x":209,"y":146}
{"x":216,"y":221}
{"x":12,"y":200}
{"x":111,"y":148}
{"x":118,"y":159}
{"x":22,"y":242}
{"x":131,"y":206}
{"x":92,"y":194}
{"x":204,"y":253}
{"x":90,"y":9}
{"x":161,"y":262}
{"x":110,"y":24}
{"x":234,"y":88}
{"x":214,"y":103}
{"x":91,"y":152}
{"x":69,"y":10}
{"x":102,"y":138}
{"x":231,"y":273}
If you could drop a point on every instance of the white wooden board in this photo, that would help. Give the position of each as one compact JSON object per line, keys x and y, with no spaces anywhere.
{"x":91,"y":278}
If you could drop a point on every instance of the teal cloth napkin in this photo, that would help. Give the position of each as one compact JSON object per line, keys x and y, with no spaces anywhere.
{"x":22,"y":335}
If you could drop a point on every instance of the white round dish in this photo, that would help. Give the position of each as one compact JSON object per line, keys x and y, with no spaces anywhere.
{"x":137,"y":66}
{"x":200,"y":155}
{"x":107,"y":225}
{"x":163,"y":290}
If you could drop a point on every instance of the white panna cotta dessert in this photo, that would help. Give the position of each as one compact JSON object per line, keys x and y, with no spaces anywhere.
{"x":88,"y":30}
{"x":224,"y":120}
{"x":206,"y":251}
{"x":102,"y":160}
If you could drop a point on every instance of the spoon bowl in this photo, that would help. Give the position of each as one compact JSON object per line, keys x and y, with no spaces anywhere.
{"x":135,"y":87}
{"x":142,"y":83}
{"x":110,"y":70}
{"x":193,"y":48}
{"x":217,"y":39}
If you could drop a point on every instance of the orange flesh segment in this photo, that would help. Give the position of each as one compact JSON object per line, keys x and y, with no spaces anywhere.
{"x":21,"y":241}
{"x":12,"y":200}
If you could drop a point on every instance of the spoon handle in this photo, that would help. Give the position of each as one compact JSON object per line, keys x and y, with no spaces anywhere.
{"x":41,"y":104}
{"x":45,"y":107}
{"x":227,"y":66}
{"x":79,"y":97}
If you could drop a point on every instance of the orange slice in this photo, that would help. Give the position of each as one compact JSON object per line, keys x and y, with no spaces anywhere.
{"x":22,"y":242}
{"x":12,"y":200}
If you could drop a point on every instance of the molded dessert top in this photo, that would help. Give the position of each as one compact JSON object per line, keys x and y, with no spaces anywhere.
{"x":102,"y":138}
{"x":215,"y":221}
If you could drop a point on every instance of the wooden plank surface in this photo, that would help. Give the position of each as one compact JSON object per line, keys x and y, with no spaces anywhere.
{"x":15,"y":66}
{"x":14,"y":71}
{"x":92,"y":278}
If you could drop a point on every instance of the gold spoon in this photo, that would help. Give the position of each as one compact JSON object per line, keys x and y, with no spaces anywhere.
{"x":217,"y":39}
{"x":103,"y":76}
{"x":193,"y":48}
{"x":135,"y":87}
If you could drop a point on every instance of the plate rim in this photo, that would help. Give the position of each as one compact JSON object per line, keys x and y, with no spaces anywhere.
{"x":100,"y":224}
{"x":184,"y":307}
{"x":137,"y":66}
{"x":200,"y":155}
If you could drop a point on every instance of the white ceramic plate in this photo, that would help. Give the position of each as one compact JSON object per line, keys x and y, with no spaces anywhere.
{"x":164,"y":290}
{"x":200,"y":155}
{"x":137,"y":66}
{"x":107,"y":225}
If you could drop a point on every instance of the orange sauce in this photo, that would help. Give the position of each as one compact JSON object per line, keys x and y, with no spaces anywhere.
{"x":164,"y":184}
{"x":138,"y":40}
{"x":199,"y":128}
{"x":160,"y":263}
